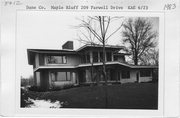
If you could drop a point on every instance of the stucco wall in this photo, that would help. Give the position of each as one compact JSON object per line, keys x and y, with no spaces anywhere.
{"x":73,"y":60}
{"x":41,"y":59}
{"x":36,"y":60}
{"x":37,"y":78}
{"x":145,"y":79}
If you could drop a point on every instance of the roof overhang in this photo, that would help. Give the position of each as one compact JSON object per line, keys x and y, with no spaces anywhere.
{"x":31,"y":53}
{"x":63,"y":67}
{"x":54,"y":67}
{"x":100,"y":46}
{"x":118,"y":63}
{"x":107,"y":63}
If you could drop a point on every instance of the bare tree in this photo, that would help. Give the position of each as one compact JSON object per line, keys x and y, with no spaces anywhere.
{"x":139,"y":37}
{"x":86,"y":37}
{"x":98,"y":26}
{"x":150,"y":57}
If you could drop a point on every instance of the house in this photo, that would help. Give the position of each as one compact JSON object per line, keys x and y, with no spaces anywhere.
{"x":57,"y":68}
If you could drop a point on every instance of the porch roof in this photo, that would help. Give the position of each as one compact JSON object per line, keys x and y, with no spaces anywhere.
{"x":100,"y":46}
{"x":94,"y":64}
{"x":117,"y":63}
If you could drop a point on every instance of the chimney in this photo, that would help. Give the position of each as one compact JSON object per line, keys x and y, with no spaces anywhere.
{"x":68,"y":45}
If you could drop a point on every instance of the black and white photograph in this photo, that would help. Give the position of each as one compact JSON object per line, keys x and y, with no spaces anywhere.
{"x":94,"y":62}
{"x":89,"y":58}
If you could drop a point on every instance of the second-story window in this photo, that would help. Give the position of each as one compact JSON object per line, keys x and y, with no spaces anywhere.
{"x":88,"y":58}
{"x":95,"y":56}
{"x":101,"y":56}
{"x":115,"y":58}
{"x":108,"y":56}
{"x":56,"y":60}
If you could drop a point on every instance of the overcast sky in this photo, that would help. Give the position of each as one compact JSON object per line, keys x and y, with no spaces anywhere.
{"x":50,"y":30}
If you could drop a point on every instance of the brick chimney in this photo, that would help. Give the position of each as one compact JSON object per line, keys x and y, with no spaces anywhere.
{"x":68,"y":45}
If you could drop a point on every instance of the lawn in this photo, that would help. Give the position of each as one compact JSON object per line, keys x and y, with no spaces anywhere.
{"x":120,"y":96}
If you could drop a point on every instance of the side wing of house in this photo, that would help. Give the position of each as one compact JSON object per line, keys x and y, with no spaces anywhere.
{"x":54,"y":68}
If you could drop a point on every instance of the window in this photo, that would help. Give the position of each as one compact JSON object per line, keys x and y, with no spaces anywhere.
{"x":145,"y":73}
{"x":101,"y":56}
{"x":108,"y":56}
{"x":125,"y":74}
{"x":56,"y":59}
{"x":115,"y":58}
{"x":87,"y":58}
{"x":95,"y":56}
{"x":83,"y":59}
{"x":68,"y":76}
{"x":60,"y":76}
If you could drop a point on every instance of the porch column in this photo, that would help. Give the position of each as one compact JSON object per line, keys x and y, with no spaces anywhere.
{"x":105,"y":57}
{"x":35,"y":79}
{"x":91,"y":57}
{"x":99,"y":58}
{"x":77,"y":77}
{"x":112,"y":57}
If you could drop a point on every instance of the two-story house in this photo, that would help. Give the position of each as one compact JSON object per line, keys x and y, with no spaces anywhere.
{"x":56,"y":68}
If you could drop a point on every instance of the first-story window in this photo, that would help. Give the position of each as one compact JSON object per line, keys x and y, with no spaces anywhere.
{"x":125,"y":74}
{"x":145,"y":73}
{"x":60,"y":76}
{"x":56,"y":60}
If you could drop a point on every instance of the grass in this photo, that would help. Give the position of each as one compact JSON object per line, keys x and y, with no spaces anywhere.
{"x":124,"y":96}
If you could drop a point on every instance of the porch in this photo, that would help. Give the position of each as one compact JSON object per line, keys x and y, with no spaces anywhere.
{"x":115,"y":73}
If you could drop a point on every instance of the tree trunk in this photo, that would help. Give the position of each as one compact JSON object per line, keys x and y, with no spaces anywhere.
{"x":104,"y":75}
{"x":92,"y":79}
{"x":135,"y":58}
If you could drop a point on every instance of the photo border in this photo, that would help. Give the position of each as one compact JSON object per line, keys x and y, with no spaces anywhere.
{"x":101,"y":112}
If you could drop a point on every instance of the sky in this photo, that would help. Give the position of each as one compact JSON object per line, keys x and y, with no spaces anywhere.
{"x":50,"y":30}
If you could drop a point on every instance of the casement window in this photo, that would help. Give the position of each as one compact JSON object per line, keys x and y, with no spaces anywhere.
{"x":125,"y":74}
{"x":83,"y":58}
{"x":60,"y":76}
{"x":115,"y":58}
{"x":101,"y":56}
{"x":108,"y":56}
{"x":145,"y":73}
{"x":95,"y":56}
{"x":56,"y":59}
{"x":88,"y":57}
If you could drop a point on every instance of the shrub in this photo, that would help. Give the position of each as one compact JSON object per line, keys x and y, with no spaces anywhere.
{"x":24,"y":97}
{"x":65,"y":86}
{"x":36,"y":88}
